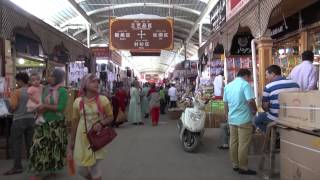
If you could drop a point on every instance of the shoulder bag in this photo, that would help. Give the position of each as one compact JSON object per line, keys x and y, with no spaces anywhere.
{"x":97,"y":140}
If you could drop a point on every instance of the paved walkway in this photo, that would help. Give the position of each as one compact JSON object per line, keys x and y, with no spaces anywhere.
{"x":154,"y":153}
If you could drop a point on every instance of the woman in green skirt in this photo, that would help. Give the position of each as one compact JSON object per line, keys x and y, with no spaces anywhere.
{"x":48,"y":152}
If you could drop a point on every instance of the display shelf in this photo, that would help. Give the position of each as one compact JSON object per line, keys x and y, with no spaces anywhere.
{"x":234,"y":64}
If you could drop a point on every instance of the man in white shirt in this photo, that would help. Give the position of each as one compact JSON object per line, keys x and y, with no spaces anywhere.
{"x":173,"y":93}
{"x":305,"y":74}
{"x":218,"y":86}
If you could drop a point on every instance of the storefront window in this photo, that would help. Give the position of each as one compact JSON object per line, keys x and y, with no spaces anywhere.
{"x":29,"y":66}
{"x":286,"y":54}
{"x":316,"y":46}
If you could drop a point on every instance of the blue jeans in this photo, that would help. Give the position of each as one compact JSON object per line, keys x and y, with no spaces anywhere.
{"x":225,"y":133}
{"x":262,"y":121}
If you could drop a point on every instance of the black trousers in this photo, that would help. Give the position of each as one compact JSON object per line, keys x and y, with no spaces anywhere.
{"x":162,"y":106}
{"x":21,"y":129}
{"x":173,"y":104}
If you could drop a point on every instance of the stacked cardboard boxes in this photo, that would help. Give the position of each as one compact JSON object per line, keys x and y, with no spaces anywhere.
{"x":300,"y":152}
{"x":300,"y":156}
{"x":300,"y":109}
{"x":213,"y":120}
{"x":215,"y":114}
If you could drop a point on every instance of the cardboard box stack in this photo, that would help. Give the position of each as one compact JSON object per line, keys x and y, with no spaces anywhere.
{"x":300,"y":152}
{"x":300,"y":155}
{"x":215,"y":114}
{"x":300,"y":109}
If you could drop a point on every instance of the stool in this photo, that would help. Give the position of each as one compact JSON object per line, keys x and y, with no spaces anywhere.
{"x":269,"y":152}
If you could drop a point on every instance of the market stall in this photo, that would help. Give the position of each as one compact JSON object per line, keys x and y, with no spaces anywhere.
{"x":27,"y":52}
{"x":109,"y":68}
{"x":30,"y":64}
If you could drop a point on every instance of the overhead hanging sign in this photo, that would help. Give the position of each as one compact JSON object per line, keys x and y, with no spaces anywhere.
{"x":152,"y":77}
{"x":218,"y":15}
{"x":105,"y":53}
{"x":234,"y":6}
{"x":100,"y":52}
{"x":141,"y":34}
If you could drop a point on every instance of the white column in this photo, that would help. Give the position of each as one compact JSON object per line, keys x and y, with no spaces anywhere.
{"x":88,"y":35}
{"x":200,"y":34}
{"x":185,"y":51}
{"x":225,"y":68}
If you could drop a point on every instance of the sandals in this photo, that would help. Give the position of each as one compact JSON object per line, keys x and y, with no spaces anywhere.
{"x":223,"y":147}
{"x":13,"y":171}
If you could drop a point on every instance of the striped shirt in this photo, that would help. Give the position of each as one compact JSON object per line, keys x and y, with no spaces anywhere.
{"x":271,"y":94}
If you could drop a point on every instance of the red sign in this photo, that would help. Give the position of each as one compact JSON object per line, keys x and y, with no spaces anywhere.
{"x":141,"y":34}
{"x":105,"y":53}
{"x":100,"y":52}
{"x":152,"y":77}
{"x":233,"y":3}
{"x":234,"y":6}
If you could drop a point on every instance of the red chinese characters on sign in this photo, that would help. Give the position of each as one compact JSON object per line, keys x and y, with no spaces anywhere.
{"x":234,"y":6}
{"x":141,"y":34}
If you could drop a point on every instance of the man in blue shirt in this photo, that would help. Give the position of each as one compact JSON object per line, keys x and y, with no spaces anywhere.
{"x":239,"y":103}
{"x":270,"y":100}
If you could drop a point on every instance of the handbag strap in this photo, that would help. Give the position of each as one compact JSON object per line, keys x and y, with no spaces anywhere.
{"x":84,"y":114}
{"x":100,"y":113}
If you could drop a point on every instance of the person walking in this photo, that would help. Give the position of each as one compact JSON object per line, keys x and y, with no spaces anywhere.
{"x":154,"y":105}
{"x":48,"y":152}
{"x":115,"y":109}
{"x":96,"y":110}
{"x":119,"y":103}
{"x":134,"y":114}
{"x":173,"y":93}
{"x":122,"y":96}
{"x":145,"y":100}
{"x":166,"y":91}
{"x":22,"y":124}
{"x":305,"y":74}
{"x":162,"y":100}
{"x":239,"y":103}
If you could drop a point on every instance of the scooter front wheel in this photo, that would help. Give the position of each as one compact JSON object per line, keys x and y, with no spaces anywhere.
{"x":190,"y":141}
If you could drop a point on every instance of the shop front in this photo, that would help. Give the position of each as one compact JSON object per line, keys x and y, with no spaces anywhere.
{"x":281,"y":32}
{"x":108,"y":68}
{"x":30,"y":64}
{"x":293,"y":34}
{"x":315,"y":43}
{"x":184,"y":75}
{"x":27,"y":52}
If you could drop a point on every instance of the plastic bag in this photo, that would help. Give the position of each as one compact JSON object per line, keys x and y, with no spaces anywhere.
{"x":3,"y":108}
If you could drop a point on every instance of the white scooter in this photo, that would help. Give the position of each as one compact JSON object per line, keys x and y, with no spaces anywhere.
{"x":191,"y":125}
